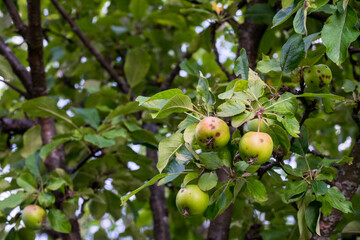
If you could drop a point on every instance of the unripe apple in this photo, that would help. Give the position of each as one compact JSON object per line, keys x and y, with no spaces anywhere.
{"x":316,"y":77}
{"x":212,"y":134}
{"x":33,"y":216}
{"x":253,"y":125}
{"x":192,"y":201}
{"x":256,"y":147}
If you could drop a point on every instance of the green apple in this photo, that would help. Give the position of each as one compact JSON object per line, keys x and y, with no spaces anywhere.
{"x":33,"y":216}
{"x":253,"y":125}
{"x":316,"y":77}
{"x":256,"y":147}
{"x":212,"y":134}
{"x":192,"y":201}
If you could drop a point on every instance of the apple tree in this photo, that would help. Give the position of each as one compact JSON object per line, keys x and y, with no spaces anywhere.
{"x":179,"y":119}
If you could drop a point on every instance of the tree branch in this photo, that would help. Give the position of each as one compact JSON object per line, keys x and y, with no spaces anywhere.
{"x":21,"y":92}
{"x":122,"y":85}
{"x":157,"y":197}
{"x":213,"y":27}
{"x":19,"y":24}
{"x":170,"y":78}
{"x":16,"y":66}
{"x":15,"y":126}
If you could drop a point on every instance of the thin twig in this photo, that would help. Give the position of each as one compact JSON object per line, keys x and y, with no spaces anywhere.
{"x":16,"y":89}
{"x":170,"y":78}
{"x":213,"y":27}
{"x":15,"y":16}
{"x":16,"y":65}
{"x":122,"y":85}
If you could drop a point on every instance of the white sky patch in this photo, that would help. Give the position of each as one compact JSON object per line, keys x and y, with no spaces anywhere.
{"x":108,"y":184}
{"x":224,"y":49}
{"x":184,"y":46}
{"x":105,"y":223}
{"x":83,"y":59}
{"x":317,"y":41}
{"x":63,"y":102}
{"x":15,"y":39}
{"x":168,"y":135}
{"x":78,"y":211}
{"x":120,"y":225}
{"x":42,"y":237}
{"x":93,"y":229}
{"x":183,"y":73}
{"x":135,"y":147}
{"x":104,"y":9}
{"x":198,"y":29}
{"x":275,"y":55}
{"x":345,"y":145}
{"x":132,"y":166}
{"x":290,"y":220}
{"x":70,"y":113}
{"x":45,"y":12}
{"x":337,"y":129}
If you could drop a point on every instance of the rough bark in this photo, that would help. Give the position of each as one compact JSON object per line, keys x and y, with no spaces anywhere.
{"x":220,"y":226}
{"x":157,"y":198}
{"x":250,"y":37}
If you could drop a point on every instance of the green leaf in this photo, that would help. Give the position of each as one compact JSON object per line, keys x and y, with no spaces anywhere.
{"x":338,"y":33}
{"x":305,"y":234}
{"x":99,"y":140}
{"x":189,"y":177}
{"x":319,"y":187}
{"x":157,"y":101}
{"x":239,"y":120}
{"x":260,"y":13}
{"x":149,"y":183}
{"x":138,"y":8}
{"x":256,"y":189}
{"x":284,"y":14}
{"x":191,"y":67}
{"x":89,"y":115}
{"x":291,"y":125}
{"x":300,"y":21}
{"x":177,"y":104}
{"x":137,"y":65}
{"x":211,"y":160}
{"x":46,"y":199}
{"x":59,"y":221}
{"x":5,"y":69}
{"x":55,"y":184}
{"x":208,"y":181}
{"x":33,"y":164}
{"x":167,"y":148}
{"x":115,"y":133}
{"x":238,"y":186}
{"x":241,"y":166}
{"x":286,"y":3}
{"x":309,"y":39}
{"x":294,"y":172}
{"x":292,"y":53}
{"x":234,"y":86}
{"x":27,"y":182}
{"x":130,"y":107}
{"x":12,"y":201}
{"x":321,"y":95}
{"x":312,"y":216}
{"x":46,"y":150}
{"x":338,"y":201}
{"x":295,"y":190}
{"x":169,"y":18}
{"x":31,"y":141}
{"x":46,"y":107}
{"x":230,"y":108}
{"x":268,"y":65}
{"x":174,"y":166}
{"x":203,"y":90}
{"x":241,"y":67}
{"x":352,"y":227}
{"x":282,"y":137}
{"x":301,"y":144}
{"x":189,"y":134}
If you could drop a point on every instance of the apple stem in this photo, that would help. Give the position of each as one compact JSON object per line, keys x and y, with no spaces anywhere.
{"x":186,"y":212}
{"x":258,"y":130}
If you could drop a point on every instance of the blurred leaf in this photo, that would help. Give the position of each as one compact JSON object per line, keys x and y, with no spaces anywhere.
{"x":138,"y":8}
{"x":89,"y":115}
{"x":32,"y":141}
{"x":12,"y":201}
{"x":46,"y":199}
{"x":137,"y":65}
{"x":191,"y":67}
{"x":27,"y":182}
{"x":260,"y":13}
{"x":211,"y":160}
{"x":178,"y":103}
{"x":189,"y":177}
{"x":33,"y":164}
{"x":59,"y":221}
{"x":230,"y":108}
{"x":99,"y":140}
